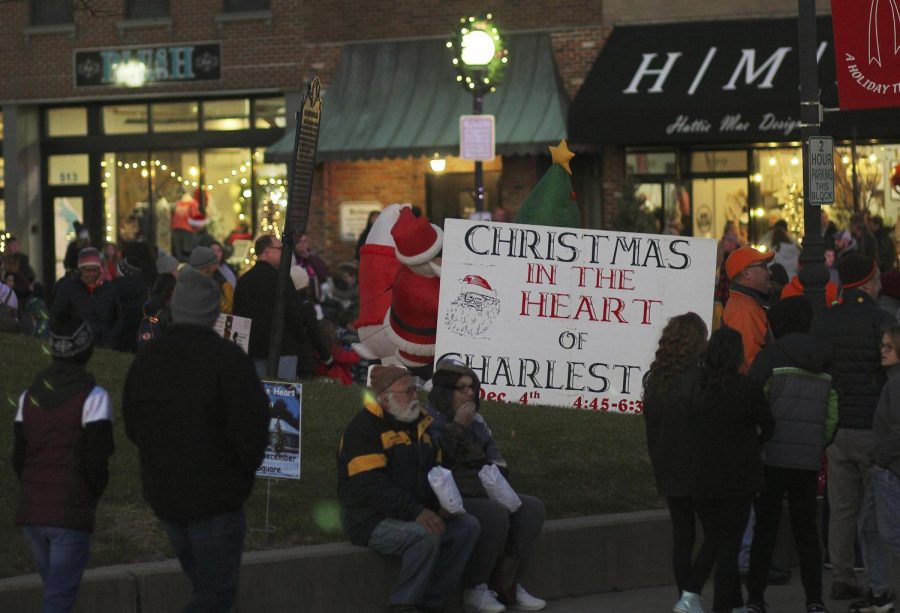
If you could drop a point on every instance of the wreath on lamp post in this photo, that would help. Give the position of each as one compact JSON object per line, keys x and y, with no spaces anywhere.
{"x":473,"y":37}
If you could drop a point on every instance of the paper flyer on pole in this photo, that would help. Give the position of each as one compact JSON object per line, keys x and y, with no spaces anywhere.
{"x":564,"y":316}
{"x":235,"y":329}
{"x":282,"y":458}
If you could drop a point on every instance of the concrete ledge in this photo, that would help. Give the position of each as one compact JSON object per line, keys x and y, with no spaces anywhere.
{"x":584,"y":555}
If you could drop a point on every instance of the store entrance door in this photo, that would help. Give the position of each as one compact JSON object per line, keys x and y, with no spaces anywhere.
{"x":716,"y":201}
{"x":452,"y":195}
{"x":66,"y":205}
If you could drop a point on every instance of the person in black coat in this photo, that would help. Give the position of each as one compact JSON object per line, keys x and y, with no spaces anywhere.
{"x":681,"y":344}
{"x":728,"y":418}
{"x":198,"y":414}
{"x":254,"y":297}
{"x":133,"y":293}
{"x":853,"y":330}
{"x":98,"y":303}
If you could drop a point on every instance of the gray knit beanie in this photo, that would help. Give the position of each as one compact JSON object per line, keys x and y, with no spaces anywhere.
{"x":196,"y":299}
{"x":201,"y":257}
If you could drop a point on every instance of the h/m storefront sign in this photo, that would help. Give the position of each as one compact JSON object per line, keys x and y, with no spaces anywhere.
{"x":140,"y":66}
{"x":563,"y":316}
{"x":698,"y":82}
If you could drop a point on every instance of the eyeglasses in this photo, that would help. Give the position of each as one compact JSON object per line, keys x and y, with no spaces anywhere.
{"x":408,"y":392}
{"x":464,"y":386}
{"x":887,"y":347}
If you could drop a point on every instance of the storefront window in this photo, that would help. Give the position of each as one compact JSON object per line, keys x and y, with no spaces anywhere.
{"x":779,"y":182}
{"x":1,"y":125}
{"x":174,"y":116}
{"x":125,"y":119}
{"x":269,"y":112}
{"x":271,"y":195}
{"x":127,"y":195}
{"x":718,"y":161}
{"x":68,"y":169}
{"x":226,"y":114}
{"x":229,"y":196}
{"x":650,"y":163}
{"x":67,"y":121}
{"x":876,"y":167}
{"x":237,"y":6}
{"x":51,"y":12}
{"x":2,"y":179}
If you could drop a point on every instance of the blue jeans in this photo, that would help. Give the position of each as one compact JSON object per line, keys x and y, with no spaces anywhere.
{"x":879,"y":523}
{"x":287,"y":368}
{"x":209,"y":551}
{"x":431,"y":564}
{"x":61,"y":555}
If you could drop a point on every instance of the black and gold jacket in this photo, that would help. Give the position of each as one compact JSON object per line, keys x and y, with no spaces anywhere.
{"x":383,"y":469}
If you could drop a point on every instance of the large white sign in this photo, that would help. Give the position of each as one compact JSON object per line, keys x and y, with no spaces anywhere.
{"x":564,"y":316}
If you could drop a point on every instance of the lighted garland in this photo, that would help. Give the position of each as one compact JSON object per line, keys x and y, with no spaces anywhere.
{"x":486,"y":77}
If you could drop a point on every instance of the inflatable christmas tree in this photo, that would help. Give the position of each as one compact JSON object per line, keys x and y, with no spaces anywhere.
{"x":552,"y":201}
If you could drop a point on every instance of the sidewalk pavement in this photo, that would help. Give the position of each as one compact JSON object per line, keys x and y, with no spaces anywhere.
{"x":781,"y":599}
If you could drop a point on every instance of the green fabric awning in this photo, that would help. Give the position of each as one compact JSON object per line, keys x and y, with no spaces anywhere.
{"x":400,"y":99}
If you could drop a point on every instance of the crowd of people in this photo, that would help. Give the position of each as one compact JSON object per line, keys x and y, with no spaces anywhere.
{"x":774,"y":404}
{"x":123,"y":292}
{"x":760,"y":410}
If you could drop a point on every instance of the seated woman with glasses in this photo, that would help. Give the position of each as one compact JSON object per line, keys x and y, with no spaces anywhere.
{"x":507,"y":539}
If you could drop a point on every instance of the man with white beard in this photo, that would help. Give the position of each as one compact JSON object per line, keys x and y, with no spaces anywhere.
{"x":386,"y":501}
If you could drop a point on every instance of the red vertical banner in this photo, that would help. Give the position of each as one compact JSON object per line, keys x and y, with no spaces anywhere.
{"x":867,"y":52}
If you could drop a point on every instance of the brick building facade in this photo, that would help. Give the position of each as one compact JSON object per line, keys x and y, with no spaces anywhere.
{"x":207,"y":131}
{"x":264,"y":54}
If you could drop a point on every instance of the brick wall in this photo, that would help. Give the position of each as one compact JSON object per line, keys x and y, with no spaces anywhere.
{"x":613,"y":161}
{"x":651,"y":11}
{"x":255,"y":54}
{"x":350,"y":20}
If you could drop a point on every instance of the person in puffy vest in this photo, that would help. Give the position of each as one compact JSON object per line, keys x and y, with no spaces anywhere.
{"x":63,"y":441}
{"x":793,"y":372}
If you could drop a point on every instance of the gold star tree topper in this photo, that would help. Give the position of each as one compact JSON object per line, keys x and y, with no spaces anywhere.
{"x":562,"y":156}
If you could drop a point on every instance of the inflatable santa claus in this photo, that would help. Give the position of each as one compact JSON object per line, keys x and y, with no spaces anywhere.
{"x":378,"y":265}
{"x":412,"y":318}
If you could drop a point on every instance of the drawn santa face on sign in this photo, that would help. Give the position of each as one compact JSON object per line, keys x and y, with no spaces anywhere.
{"x":474,"y":309}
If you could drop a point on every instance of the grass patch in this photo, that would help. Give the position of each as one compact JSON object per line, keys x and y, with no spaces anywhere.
{"x":578,"y":463}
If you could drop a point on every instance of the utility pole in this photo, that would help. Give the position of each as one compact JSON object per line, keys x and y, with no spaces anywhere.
{"x":813,"y":274}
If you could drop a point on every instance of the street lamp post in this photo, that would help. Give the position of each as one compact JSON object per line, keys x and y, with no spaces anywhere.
{"x":479,"y":57}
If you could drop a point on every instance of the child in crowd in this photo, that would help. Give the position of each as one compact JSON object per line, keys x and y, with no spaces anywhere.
{"x":63,"y":441}
{"x":344,"y":359}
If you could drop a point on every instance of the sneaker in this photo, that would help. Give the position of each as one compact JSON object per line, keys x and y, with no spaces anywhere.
{"x":689,"y":603}
{"x":841,"y":590}
{"x":882,"y":603}
{"x":483,"y":600}
{"x":527,"y":602}
{"x":816,"y":607}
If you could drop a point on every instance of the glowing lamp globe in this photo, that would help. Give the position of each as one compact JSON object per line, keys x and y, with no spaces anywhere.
{"x":478,"y":48}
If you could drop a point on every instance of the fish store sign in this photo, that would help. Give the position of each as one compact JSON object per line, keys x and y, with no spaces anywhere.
{"x":140,"y":66}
